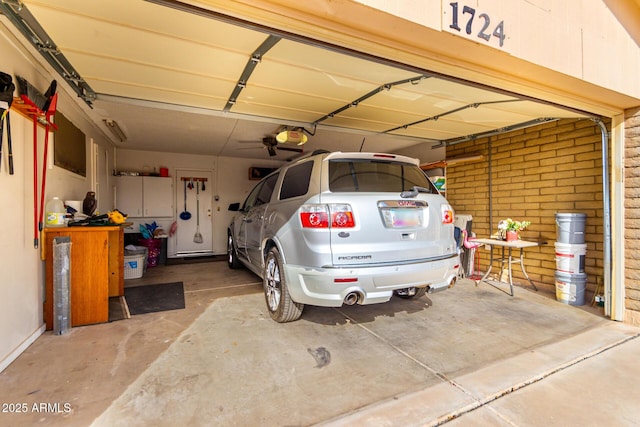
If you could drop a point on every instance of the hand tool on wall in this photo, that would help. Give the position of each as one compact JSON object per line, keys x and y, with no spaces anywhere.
{"x":197,"y":238}
{"x":6,"y":99}
{"x":5,"y":118}
{"x":185,"y":215}
{"x":9,"y":143}
{"x":37,"y":116}
{"x":47,"y":128}
{"x":3,"y":114}
{"x":35,"y":103}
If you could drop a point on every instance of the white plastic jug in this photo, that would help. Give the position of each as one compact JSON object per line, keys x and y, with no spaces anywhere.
{"x":55,"y":212}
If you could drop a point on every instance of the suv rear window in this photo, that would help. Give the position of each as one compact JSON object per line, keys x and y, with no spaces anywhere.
{"x":296,"y":181}
{"x":375,"y":176}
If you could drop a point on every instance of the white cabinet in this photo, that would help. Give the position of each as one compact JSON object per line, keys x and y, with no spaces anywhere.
{"x":129,"y":195}
{"x":157,"y":196}
{"x":145,"y":196}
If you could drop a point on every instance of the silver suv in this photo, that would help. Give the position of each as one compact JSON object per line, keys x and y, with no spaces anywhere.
{"x":344,"y":228}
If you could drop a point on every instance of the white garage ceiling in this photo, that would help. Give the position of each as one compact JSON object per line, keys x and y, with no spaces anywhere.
{"x":192,"y":81}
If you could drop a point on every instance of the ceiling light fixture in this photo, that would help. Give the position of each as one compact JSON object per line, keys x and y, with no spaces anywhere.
{"x":295,"y":136}
{"x":113,"y":126}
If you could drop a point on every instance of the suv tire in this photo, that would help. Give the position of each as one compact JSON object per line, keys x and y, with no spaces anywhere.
{"x":279,"y":303}
{"x":232,"y":254}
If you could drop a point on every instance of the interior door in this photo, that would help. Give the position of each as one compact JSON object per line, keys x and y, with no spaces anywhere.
{"x":100,"y":177}
{"x":194,"y":189}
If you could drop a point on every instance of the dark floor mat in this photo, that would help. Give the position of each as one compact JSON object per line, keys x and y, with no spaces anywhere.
{"x":195,"y":259}
{"x":152,"y":298}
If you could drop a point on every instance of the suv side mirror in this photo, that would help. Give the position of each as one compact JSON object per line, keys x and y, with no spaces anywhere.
{"x":234,"y":207}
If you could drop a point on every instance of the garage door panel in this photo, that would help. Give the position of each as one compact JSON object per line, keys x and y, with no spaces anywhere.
{"x":442,"y":129}
{"x":101,"y":20}
{"x":104,"y":69}
{"x":422,"y":134}
{"x":158,"y":95}
{"x":388,"y":118}
{"x":412,"y":103}
{"x":336,"y":64}
{"x":483,"y":116}
{"x":314,"y":83}
{"x":282,"y":113}
{"x":315,"y":106}
{"x":188,"y":57}
{"x":357,"y":123}
{"x":143,"y":50}
{"x":534,"y":110}
{"x":426,"y":106}
{"x":453,"y":126}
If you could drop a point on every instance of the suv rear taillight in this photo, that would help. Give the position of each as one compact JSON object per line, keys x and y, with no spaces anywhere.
{"x":447,"y":213}
{"x":325,"y":216}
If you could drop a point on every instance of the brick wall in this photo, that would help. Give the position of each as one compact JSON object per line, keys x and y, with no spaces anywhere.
{"x":632,"y":216}
{"x":536,"y":173}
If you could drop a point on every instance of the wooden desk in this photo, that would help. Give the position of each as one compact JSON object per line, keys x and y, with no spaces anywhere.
{"x":507,"y":258}
{"x":97,"y":271}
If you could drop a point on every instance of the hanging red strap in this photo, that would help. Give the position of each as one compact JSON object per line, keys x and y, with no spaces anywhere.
{"x":38,"y":214}
{"x":44,"y":177}
{"x":35,"y":182}
{"x":48,"y":115}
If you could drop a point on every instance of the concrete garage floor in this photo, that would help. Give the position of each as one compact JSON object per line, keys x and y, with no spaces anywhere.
{"x":467,"y":356}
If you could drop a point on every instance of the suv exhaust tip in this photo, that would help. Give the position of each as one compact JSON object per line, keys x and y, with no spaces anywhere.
{"x":352,"y":298}
{"x":452,"y":282}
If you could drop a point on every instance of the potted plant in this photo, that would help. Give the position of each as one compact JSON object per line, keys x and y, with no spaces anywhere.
{"x":513,"y":228}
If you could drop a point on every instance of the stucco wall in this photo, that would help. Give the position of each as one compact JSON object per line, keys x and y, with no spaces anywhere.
{"x":22,"y":279}
{"x":578,"y":38}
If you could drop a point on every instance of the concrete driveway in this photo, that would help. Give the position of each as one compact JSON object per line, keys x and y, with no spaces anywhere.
{"x":469,"y":355}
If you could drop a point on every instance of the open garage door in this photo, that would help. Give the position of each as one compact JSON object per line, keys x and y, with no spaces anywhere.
{"x":176,"y":77}
{"x":179,"y":78}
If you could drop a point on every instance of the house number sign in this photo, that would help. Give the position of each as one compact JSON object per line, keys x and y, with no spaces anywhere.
{"x":473,"y":23}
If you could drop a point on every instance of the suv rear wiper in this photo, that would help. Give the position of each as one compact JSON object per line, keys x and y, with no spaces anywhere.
{"x":414,"y":192}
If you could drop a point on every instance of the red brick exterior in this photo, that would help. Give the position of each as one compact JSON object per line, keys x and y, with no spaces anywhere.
{"x":632,"y":216}
{"x":536,"y":173}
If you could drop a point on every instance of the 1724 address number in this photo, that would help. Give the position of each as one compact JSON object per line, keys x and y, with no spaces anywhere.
{"x":468,"y":14}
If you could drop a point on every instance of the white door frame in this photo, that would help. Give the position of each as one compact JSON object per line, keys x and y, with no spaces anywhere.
{"x":182,"y":247}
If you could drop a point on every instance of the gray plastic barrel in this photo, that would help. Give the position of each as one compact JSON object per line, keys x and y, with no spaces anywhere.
{"x":570,"y":228}
{"x":570,"y":288}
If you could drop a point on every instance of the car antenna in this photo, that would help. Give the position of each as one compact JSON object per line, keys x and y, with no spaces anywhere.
{"x":362,"y":145}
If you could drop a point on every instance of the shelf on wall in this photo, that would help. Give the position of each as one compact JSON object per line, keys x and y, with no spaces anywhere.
{"x":189,"y":178}
{"x":30,"y":110}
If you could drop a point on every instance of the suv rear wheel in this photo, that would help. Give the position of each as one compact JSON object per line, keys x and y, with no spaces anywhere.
{"x":279,"y":303}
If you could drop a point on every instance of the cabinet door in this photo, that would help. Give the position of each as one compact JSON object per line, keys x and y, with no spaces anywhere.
{"x":157,"y":197}
{"x":129,"y":195}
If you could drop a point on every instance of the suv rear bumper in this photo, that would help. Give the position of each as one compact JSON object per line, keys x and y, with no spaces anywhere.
{"x":328,"y":287}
